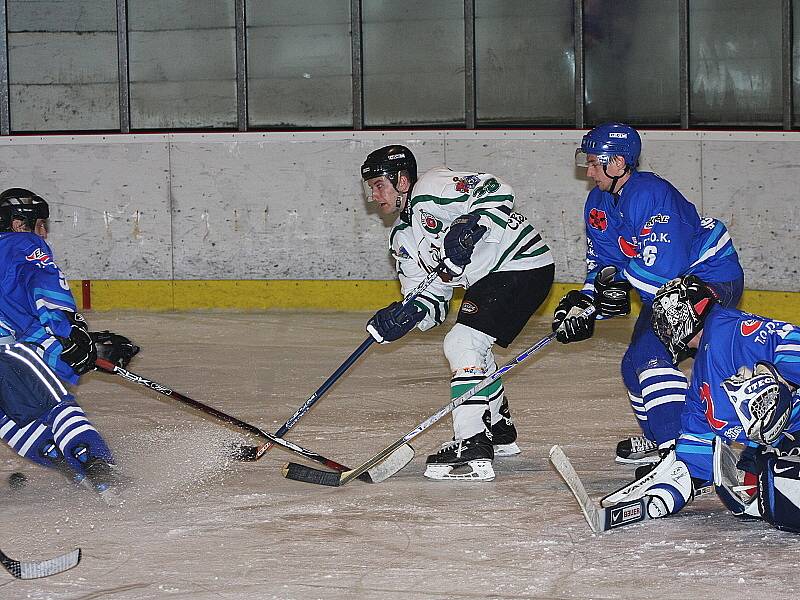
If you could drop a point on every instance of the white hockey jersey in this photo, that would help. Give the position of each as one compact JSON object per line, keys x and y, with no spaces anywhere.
{"x":510,"y":243}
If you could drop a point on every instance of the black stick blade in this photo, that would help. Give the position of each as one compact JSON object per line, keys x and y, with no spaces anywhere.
{"x":311,"y":475}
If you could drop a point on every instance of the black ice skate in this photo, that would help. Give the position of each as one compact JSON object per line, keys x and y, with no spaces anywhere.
{"x":463,"y":460}
{"x":637,"y":450}
{"x":104,"y":479}
{"x":504,"y":434}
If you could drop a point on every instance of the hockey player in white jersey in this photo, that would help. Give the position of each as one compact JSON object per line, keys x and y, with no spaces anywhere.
{"x":463,"y":224}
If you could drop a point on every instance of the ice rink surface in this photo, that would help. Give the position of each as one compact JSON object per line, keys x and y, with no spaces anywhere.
{"x":196,"y":526}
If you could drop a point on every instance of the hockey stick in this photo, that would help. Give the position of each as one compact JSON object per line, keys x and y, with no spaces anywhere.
{"x":311,"y":475}
{"x":33,"y":569}
{"x":248,"y":453}
{"x":314,"y":398}
{"x":599,"y":518}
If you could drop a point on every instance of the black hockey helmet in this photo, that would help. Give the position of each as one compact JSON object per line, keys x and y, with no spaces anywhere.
{"x":19,"y":203}
{"x":390,"y":161}
{"x":680,"y":309}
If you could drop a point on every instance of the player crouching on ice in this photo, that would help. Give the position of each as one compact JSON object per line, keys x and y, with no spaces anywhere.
{"x":44,"y":344}
{"x":743,"y":389}
{"x":462,"y":224}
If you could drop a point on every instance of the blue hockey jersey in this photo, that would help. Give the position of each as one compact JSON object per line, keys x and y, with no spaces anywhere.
{"x":652,"y":234}
{"x":732,"y":339}
{"x":33,"y":296}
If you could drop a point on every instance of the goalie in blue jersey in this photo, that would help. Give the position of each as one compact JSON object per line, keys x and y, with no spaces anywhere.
{"x":744,"y":391}
{"x":641,"y":226}
{"x":45,"y":345}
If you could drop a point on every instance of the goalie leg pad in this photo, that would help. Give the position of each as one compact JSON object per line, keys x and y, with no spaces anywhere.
{"x":668,"y":488}
{"x":779,"y":492}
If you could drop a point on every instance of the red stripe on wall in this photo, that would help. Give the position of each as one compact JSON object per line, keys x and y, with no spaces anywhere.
{"x":86,"y":293}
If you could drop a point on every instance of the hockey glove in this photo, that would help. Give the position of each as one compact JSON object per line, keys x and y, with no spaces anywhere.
{"x":114,"y":347}
{"x":459,"y":242}
{"x":613,"y":298}
{"x":78,"y":349}
{"x":394,"y":321}
{"x":762,"y":401}
{"x":569,"y":322}
{"x":668,"y":488}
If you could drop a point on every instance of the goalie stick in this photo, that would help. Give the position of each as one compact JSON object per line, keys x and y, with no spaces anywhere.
{"x":248,"y":453}
{"x":33,"y":569}
{"x":315,"y":397}
{"x":311,"y":475}
{"x":603,"y":519}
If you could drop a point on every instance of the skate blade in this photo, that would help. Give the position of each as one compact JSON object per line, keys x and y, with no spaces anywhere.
{"x":507,"y":449}
{"x":644,"y":460}
{"x":474,"y":470}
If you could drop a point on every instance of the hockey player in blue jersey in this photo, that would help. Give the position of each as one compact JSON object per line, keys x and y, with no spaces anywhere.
{"x":744,"y":389}
{"x":45,"y":345}
{"x":639,"y":224}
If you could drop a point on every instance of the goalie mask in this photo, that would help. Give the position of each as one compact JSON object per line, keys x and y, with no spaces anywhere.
{"x":680,"y":309}
{"x":22,"y":204}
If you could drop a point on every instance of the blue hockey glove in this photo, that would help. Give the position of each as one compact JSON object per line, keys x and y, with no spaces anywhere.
{"x":459,"y":242}
{"x":394,"y":321}
{"x":78,"y":349}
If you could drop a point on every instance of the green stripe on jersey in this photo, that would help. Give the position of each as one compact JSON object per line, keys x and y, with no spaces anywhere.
{"x":526,"y":231}
{"x":436,"y":200}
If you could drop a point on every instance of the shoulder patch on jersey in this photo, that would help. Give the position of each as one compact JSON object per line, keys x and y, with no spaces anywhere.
{"x":467,"y":183}
{"x":40,"y":257}
{"x":648,"y":226}
{"x":598,"y":219}
{"x":430,"y":223}
{"x":749,"y":327}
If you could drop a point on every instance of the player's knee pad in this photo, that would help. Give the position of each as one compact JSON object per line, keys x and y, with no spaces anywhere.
{"x":465,"y":348}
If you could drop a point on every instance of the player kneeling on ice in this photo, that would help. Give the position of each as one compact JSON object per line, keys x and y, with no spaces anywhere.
{"x":463,"y":224}
{"x":45,"y":345}
{"x":743,"y":389}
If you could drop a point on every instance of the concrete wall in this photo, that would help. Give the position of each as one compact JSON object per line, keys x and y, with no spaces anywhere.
{"x":290,"y":205}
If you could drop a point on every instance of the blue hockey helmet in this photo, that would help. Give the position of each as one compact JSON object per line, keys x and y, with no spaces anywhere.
{"x":610,"y":139}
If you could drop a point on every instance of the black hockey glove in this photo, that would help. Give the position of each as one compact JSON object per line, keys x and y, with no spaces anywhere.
{"x":569,"y":323}
{"x":459,"y":242}
{"x":78,"y":349}
{"x":613,"y":298}
{"x":394,"y":321}
{"x":114,"y":347}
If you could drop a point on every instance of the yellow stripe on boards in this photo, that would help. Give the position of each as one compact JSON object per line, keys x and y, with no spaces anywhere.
{"x":330,"y":295}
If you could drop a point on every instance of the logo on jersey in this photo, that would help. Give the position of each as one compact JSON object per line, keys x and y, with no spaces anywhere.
{"x":465,"y":184}
{"x":629,"y":249}
{"x":648,"y":226}
{"x":403,"y":253}
{"x":40,"y":257}
{"x":430,"y":223}
{"x":708,"y":223}
{"x":598,"y":219}
{"x":705,"y":396}
{"x":749,"y":327}
{"x":468,"y":307}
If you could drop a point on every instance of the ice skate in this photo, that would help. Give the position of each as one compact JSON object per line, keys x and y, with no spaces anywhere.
{"x":463,"y":460}
{"x":104,"y":479}
{"x":504,"y":434}
{"x":637,"y":450}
